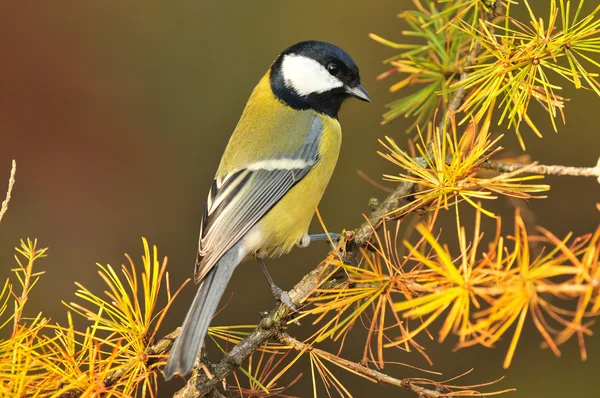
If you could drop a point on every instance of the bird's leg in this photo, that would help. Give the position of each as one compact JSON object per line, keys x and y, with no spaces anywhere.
{"x":278,"y":293}
{"x":307,"y":239}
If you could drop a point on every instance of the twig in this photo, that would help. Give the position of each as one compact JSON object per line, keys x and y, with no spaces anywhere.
{"x":371,"y":374}
{"x":11,"y":184}
{"x":416,"y":385}
{"x":556,"y":170}
{"x":381,"y":213}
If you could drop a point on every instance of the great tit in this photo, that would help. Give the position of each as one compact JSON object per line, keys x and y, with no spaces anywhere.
{"x":271,"y":177}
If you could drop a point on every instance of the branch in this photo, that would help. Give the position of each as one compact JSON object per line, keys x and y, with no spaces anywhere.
{"x":555,"y":170}
{"x":11,"y":184}
{"x":373,"y":375}
{"x":363,"y":233}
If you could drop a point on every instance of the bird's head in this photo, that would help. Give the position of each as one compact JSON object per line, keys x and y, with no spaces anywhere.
{"x":316,"y":75}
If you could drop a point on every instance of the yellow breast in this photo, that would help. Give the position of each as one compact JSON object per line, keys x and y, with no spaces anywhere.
{"x":288,"y":221}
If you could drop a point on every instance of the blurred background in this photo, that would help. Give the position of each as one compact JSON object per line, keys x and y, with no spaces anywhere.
{"x":117,"y":114}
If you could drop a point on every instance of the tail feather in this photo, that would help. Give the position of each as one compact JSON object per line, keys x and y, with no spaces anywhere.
{"x":193,"y":331}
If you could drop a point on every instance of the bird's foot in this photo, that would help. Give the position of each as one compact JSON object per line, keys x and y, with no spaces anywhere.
{"x":330,"y":236}
{"x":279,"y":294}
{"x":308,"y":239}
{"x":283,"y":297}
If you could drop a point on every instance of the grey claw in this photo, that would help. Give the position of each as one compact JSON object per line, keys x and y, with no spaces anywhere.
{"x":284,"y":297}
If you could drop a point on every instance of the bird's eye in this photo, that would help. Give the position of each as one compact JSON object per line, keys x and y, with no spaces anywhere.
{"x":333,"y":69}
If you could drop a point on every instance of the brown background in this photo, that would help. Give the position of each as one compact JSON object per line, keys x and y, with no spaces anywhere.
{"x":117,"y":113}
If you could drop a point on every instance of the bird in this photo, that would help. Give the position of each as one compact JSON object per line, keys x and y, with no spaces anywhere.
{"x":271,"y":177}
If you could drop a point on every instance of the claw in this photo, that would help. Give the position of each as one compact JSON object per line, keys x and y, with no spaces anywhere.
{"x":283,"y":297}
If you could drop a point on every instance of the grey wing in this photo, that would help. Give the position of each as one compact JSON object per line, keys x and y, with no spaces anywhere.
{"x":238,"y":200}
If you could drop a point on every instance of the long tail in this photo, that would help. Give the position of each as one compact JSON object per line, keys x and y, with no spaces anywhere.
{"x":187,"y":345}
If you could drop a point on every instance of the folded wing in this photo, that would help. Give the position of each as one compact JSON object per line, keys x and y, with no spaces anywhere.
{"x":239,"y":199}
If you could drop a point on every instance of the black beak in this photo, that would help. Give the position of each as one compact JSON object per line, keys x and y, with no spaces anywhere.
{"x":358,"y":92}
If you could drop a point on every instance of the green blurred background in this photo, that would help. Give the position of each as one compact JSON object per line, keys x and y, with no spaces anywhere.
{"x":117,"y":113}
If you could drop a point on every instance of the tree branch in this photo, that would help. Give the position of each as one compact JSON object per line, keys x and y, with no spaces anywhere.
{"x":556,"y":170}
{"x":371,"y":374}
{"x":411,"y":384}
{"x":11,"y":184}
{"x":362,"y":234}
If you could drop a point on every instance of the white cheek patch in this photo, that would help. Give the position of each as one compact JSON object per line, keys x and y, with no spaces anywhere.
{"x":306,"y":76}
